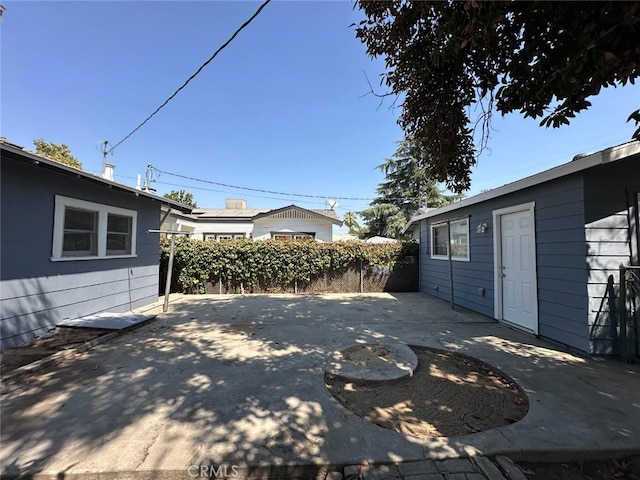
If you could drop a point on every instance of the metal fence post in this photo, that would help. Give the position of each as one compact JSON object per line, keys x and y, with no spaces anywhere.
{"x":167,"y":287}
{"x":622,"y":315}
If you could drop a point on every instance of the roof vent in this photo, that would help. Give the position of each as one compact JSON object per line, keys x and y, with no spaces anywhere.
{"x":235,"y":203}
{"x":107,"y":171}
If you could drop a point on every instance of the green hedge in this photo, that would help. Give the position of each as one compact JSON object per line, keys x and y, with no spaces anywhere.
{"x":248,"y":263}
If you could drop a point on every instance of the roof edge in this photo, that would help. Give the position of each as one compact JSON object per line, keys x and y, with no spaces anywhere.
{"x":335,"y":221}
{"x":602,"y":157}
{"x":37,"y":159}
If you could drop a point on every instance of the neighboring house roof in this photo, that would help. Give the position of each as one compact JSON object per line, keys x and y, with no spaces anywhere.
{"x":379,"y":240}
{"x":329,"y":215}
{"x":346,"y":237}
{"x":580,"y":163}
{"x":251,"y":214}
{"x":13,"y":152}
{"x":240,"y":214}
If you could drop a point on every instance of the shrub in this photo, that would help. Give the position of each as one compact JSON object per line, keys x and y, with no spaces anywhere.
{"x":247,"y":263}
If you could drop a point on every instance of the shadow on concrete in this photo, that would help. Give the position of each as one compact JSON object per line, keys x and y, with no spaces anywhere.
{"x":238,"y":380}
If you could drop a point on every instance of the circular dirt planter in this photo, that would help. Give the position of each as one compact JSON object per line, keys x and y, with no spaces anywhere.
{"x":374,"y":361}
{"x":448,"y":394}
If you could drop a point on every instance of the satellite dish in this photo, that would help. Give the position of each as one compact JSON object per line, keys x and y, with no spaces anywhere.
{"x":332,"y":203}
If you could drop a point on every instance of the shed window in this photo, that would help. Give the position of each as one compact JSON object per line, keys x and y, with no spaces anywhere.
{"x":459,"y":240}
{"x":85,"y":230}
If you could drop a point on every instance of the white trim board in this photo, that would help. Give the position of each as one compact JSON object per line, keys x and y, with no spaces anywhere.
{"x":588,"y":161}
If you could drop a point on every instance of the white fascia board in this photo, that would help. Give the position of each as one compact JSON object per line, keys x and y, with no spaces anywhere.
{"x":599,"y":158}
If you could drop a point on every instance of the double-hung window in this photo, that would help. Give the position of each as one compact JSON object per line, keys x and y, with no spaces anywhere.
{"x":458,"y":241}
{"x":119,"y":234}
{"x":85,"y":230}
{"x":80,"y":236}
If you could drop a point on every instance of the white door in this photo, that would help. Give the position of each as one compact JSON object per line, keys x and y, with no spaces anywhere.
{"x":517,"y":269}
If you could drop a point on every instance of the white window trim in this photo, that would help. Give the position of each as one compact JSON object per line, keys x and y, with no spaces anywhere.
{"x":62,"y":202}
{"x":227,"y":236}
{"x":466,"y":258}
{"x":293,"y":235}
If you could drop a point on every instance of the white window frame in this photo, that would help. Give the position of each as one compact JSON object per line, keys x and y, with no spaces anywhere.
{"x":466,"y":258}
{"x":214,"y":237}
{"x":293,"y":235}
{"x":103,"y":211}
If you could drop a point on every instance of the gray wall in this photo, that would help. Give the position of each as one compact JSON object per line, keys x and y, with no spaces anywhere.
{"x":609,"y":219}
{"x":561,"y":268}
{"x":36,"y":292}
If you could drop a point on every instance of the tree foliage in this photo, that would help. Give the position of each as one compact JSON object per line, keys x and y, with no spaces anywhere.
{"x":56,"y":152}
{"x":406,"y":188}
{"x":542,"y":59}
{"x":181,"y":196}
{"x":351,"y":222}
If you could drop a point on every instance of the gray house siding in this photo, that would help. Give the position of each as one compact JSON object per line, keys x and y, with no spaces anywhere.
{"x":37,"y":292}
{"x":560,"y":254}
{"x":610,"y":204}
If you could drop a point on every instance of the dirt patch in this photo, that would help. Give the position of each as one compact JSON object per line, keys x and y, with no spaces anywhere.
{"x":449,"y":394}
{"x":608,"y":469}
{"x":61,"y":339}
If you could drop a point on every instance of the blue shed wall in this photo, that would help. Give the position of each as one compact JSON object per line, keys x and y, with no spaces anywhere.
{"x":561,"y":268}
{"x":35,"y":292}
{"x":610,"y":215}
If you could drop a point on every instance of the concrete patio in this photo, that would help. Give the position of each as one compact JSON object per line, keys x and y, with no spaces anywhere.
{"x":238,"y":380}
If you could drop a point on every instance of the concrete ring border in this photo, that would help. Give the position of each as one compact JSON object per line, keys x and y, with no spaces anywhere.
{"x":402,"y":363}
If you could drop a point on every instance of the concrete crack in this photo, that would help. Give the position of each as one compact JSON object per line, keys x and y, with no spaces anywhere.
{"x":148,"y":447}
{"x":505,"y":437}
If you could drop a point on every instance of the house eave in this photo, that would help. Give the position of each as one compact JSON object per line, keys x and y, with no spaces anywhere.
{"x":14,"y":153}
{"x":319,"y":216}
{"x":602,"y":157}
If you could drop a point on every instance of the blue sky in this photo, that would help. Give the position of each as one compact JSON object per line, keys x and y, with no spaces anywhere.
{"x":283,"y":108}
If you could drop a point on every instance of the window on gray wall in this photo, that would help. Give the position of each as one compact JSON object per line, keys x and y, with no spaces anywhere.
{"x":84,"y":230}
{"x":459,"y":240}
{"x":80,"y":232}
{"x":439,"y":239}
{"x":118,"y":234}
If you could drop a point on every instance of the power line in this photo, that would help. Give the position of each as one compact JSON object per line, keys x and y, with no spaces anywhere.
{"x":272,"y":192}
{"x":224,"y":45}
{"x":249,"y":195}
{"x":205,"y":189}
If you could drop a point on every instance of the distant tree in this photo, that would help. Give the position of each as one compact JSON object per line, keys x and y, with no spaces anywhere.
{"x":383,"y":219}
{"x":351,"y":221}
{"x":181,"y":196}
{"x":406,"y":189}
{"x":56,"y":152}
{"x":541,"y":59}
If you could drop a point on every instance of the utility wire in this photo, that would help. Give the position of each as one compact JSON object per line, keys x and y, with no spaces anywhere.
{"x":311,"y":202}
{"x":224,"y":45}
{"x":272,"y":192}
